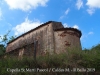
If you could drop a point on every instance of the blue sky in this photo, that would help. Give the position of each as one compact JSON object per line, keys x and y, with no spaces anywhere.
{"x":19,"y":16}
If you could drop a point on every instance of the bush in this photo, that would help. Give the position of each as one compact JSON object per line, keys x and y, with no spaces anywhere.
{"x":72,"y":59}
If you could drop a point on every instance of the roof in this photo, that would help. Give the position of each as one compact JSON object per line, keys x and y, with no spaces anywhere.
{"x":31,"y":30}
{"x":69,"y":28}
{"x":44,"y":25}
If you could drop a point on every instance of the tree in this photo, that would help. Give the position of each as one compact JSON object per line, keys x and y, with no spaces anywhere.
{"x":4,"y":40}
{"x":11,"y":38}
{"x":2,"y":49}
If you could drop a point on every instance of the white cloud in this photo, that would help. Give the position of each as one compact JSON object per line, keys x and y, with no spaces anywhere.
{"x":67,"y":11}
{"x":65,"y":25}
{"x":25,"y":5}
{"x":92,"y":5}
{"x":79,"y":4}
{"x":61,"y":17}
{"x":90,"y":33}
{"x":86,"y":35}
{"x":26,"y":26}
{"x":1,"y":16}
{"x":91,"y":11}
{"x":76,"y":26}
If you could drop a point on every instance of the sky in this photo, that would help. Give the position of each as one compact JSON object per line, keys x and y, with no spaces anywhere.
{"x":20,"y":16}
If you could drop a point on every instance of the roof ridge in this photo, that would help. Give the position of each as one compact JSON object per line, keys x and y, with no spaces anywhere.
{"x":31,"y":30}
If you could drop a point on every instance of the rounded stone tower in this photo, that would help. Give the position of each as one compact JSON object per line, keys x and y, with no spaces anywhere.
{"x":67,"y":38}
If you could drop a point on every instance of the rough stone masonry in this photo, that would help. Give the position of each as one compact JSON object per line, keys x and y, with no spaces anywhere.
{"x":50,"y":37}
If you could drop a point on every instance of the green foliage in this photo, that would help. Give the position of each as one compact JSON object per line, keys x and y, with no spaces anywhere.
{"x":92,"y":58}
{"x":4,"y":40}
{"x":11,"y":38}
{"x":88,"y":58}
{"x":2,"y":49}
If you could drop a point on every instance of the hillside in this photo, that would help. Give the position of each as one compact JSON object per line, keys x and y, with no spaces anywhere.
{"x":88,"y":59}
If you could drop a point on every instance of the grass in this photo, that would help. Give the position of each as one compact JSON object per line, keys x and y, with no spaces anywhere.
{"x":71,"y":59}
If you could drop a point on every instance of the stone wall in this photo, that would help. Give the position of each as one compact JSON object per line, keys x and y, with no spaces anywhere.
{"x":51,"y":38}
{"x":45,"y":37}
{"x":67,"y":39}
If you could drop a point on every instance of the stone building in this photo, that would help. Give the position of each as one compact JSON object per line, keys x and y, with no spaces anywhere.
{"x":50,"y":37}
